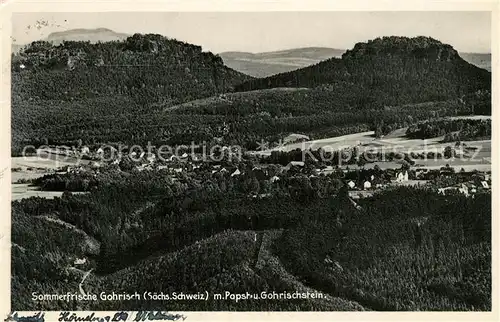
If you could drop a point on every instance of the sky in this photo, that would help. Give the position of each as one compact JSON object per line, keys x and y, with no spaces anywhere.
{"x":268,"y":31}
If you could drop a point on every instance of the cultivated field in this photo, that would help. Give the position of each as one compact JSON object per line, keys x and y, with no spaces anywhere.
{"x":33,"y":167}
{"x":476,"y":155}
{"x":22,"y":191}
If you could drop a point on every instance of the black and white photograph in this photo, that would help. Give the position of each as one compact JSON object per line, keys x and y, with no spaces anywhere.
{"x":251,"y":161}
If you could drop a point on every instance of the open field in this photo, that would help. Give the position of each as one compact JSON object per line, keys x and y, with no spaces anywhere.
{"x":476,"y":154}
{"x":21,"y":191}
{"x":470,"y":117}
{"x":334,"y":143}
{"x":52,"y":161}
{"x":33,"y":167}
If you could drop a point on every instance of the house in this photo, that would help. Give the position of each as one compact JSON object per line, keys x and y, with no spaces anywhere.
{"x":85,"y":150}
{"x":275,"y":178}
{"x":442,"y":191}
{"x":464,"y":190}
{"x":351,"y":184}
{"x":100,"y":151}
{"x":294,"y":164}
{"x":79,"y":261}
{"x":236,"y":173}
{"x":401,"y":177}
{"x":485,"y":184}
{"x":22,"y":66}
{"x":367,"y":185}
{"x":177,"y":170}
{"x":184,"y":155}
{"x":327,"y":168}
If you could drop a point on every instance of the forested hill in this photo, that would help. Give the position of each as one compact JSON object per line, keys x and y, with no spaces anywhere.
{"x":148,"y":68}
{"x":388,"y":71}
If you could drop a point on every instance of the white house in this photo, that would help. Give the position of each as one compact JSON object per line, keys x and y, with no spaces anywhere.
{"x":294,"y":163}
{"x":22,"y":66}
{"x":402,"y":176}
{"x":85,"y":150}
{"x":464,"y":190}
{"x":236,"y":173}
{"x":367,"y":185}
{"x":275,"y":178}
{"x":80,"y":261}
{"x":485,"y":184}
{"x":351,"y":184}
{"x":100,"y":151}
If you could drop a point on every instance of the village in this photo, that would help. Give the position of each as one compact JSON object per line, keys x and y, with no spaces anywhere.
{"x":361,"y":181}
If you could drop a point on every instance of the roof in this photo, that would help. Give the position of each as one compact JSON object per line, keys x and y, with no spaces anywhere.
{"x":297,"y":163}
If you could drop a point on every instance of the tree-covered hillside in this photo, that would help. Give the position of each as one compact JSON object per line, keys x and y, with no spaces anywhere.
{"x":131,"y":75}
{"x":388,"y":71}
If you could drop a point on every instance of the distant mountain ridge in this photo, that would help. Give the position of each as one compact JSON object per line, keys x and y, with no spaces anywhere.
{"x":254,"y":64}
{"x":275,"y":62}
{"x":92,"y":35}
{"x":80,"y":34}
{"x":482,"y":60}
